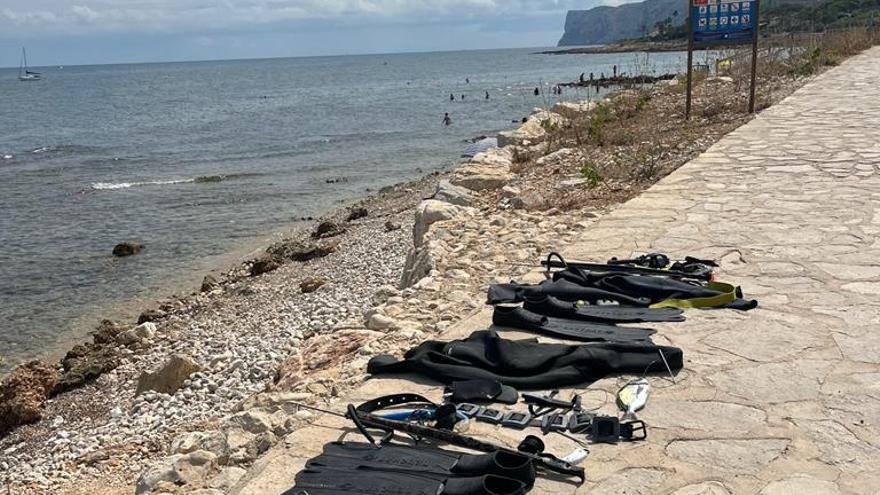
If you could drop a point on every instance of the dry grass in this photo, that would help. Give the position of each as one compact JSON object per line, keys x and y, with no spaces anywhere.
{"x":637,"y":136}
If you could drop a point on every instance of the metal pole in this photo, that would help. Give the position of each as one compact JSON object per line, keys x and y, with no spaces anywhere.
{"x":755,"y":35}
{"x":690,"y":69}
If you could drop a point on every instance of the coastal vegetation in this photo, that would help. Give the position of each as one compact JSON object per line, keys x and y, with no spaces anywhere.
{"x":789,"y":18}
{"x":781,"y":22}
{"x":639,"y":134}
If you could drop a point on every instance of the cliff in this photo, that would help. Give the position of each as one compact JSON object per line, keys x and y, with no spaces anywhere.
{"x":605,"y":24}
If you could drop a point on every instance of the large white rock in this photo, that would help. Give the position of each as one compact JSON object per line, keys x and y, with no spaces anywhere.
{"x":573,"y":109}
{"x":180,"y":469}
{"x":478,"y":176}
{"x":227,"y":478}
{"x":378,"y":321}
{"x":432,"y":211}
{"x":456,"y":195}
{"x":210,"y":441}
{"x":170,"y":377}
{"x":558,"y":156}
{"x":499,"y":157}
{"x":532,"y":131}
{"x":254,"y":421}
{"x":419,"y":263}
{"x":140,"y":333}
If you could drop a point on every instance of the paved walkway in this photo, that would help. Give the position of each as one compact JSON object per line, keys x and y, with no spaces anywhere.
{"x":783,"y":399}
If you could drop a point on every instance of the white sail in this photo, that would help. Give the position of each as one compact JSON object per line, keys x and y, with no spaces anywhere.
{"x":24,"y":74}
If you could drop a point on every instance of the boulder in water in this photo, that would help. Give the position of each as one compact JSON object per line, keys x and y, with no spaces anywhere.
{"x":23,"y":393}
{"x":127,"y":249}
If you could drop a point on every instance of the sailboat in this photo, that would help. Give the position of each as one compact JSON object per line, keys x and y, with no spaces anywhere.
{"x":23,"y":73}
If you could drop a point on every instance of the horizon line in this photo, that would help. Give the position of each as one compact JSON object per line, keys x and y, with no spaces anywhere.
{"x":335,"y":55}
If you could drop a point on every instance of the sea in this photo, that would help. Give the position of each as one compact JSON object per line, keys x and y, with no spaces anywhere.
{"x":203,"y":161}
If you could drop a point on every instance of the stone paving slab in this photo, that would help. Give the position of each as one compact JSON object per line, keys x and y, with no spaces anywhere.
{"x":783,"y":399}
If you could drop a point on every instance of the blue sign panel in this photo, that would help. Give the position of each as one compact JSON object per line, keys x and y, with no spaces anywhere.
{"x":723,"y":22}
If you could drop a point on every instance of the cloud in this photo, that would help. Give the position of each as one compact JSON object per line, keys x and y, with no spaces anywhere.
{"x":21,"y":17}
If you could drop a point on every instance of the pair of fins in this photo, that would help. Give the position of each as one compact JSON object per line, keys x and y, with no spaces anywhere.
{"x":553,"y":307}
{"x":351,"y":467}
{"x":585,"y":331}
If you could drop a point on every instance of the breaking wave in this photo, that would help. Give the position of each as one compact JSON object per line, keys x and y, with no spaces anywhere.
{"x":104,"y":186}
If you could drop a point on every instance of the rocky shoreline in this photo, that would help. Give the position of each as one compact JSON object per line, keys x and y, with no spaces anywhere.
{"x":236,"y":331}
{"x":237,"y":354}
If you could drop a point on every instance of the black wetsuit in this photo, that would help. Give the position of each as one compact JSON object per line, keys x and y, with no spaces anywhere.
{"x":527,"y":364}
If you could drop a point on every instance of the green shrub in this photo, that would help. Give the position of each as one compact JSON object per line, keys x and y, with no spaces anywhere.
{"x":596,"y":127}
{"x":589,"y":172}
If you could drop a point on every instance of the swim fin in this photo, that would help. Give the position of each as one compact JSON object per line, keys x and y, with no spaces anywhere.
{"x":426,"y":461}
{"x":550,"y":306}
{"x":360,"y":480}
{"x":353,"y":467}
{"x":522,"y":319}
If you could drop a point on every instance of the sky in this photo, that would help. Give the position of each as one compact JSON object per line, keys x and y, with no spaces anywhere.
{"x":70,"y":32}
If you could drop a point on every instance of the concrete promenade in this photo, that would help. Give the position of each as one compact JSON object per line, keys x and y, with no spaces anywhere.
{"x":781,"y":400}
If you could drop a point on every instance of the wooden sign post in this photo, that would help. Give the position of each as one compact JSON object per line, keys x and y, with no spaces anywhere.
{"x":716,"y":23}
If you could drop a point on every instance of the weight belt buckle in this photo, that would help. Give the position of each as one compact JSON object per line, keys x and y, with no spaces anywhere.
{"x":516,"y":420}
{"x":469,"y":410}
{"x":491,"y":416}
{"x":554,"y":422}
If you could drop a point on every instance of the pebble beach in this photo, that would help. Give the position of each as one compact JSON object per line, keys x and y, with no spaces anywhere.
{"x":238,"y":333}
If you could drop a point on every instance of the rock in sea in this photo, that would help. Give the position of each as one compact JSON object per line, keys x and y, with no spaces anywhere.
{"x":127,"y":249}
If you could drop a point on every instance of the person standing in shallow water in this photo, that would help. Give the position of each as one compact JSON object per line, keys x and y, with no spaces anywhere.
{"x":451,"y":97}
{"x":487,"y":95}
{"x":447,"y":120}
{"x":537,"y":92}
